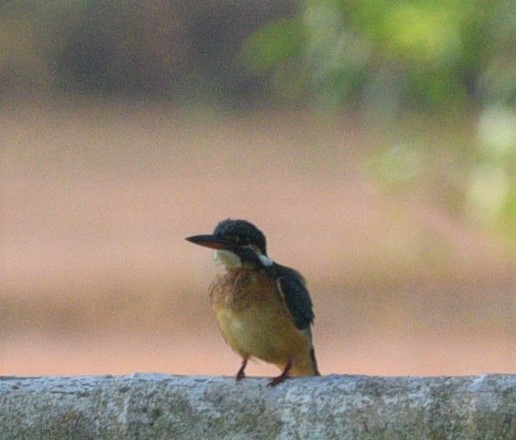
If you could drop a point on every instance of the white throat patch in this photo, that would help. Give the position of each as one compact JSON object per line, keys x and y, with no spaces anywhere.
{"x":227,"y":259}
{"x":230,"y":260}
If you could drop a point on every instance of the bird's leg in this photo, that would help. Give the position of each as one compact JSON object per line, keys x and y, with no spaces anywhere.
{"x":278,"y":379}
{"x":241,"y":373}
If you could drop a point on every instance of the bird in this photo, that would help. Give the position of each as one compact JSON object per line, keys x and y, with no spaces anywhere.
{"x":263,"y":309}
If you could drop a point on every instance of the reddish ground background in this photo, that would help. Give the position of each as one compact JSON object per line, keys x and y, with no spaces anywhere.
{"x":96,"y":276}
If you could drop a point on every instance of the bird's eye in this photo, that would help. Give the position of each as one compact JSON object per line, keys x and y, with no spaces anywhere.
{"x":233,"y":238}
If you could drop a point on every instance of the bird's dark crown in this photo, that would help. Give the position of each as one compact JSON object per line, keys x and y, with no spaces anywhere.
{"x":241,"y":233}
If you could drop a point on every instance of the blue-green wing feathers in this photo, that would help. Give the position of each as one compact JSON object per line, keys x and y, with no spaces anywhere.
{"x":297,"y":298}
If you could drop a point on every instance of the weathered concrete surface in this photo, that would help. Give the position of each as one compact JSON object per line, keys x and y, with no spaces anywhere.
{"x":152,"y":406}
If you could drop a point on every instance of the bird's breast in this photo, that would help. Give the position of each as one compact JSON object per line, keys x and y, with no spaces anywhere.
{"x":240,"y":289}
{"x":253,"y":317}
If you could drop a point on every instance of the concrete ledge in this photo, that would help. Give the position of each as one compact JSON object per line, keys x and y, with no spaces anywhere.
{"x":153,"y":406}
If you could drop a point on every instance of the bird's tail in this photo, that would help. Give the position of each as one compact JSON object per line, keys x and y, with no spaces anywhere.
{"x":314,"y":362}
{"x":304,"y":366}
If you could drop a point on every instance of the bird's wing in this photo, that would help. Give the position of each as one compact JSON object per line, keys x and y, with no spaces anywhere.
{"x":291,"y":285}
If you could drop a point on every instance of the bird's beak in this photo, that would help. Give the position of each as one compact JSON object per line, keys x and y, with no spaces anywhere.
{"x":211,"y":241}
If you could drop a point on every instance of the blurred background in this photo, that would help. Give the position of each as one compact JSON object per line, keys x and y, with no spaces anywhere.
{"x":374,"y":142}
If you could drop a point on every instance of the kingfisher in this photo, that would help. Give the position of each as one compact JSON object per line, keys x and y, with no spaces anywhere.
{"x":263,"y":309}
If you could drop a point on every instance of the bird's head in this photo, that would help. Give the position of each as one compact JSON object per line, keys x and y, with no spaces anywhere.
{"x":237,"y":243}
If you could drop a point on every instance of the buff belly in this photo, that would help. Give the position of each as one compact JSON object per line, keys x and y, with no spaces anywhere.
{"x":256,"y":323}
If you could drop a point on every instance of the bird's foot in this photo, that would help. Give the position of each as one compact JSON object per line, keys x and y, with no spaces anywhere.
{"x":277,"y":380}
{"x":241,"y":373}
{"x":281,"y":378}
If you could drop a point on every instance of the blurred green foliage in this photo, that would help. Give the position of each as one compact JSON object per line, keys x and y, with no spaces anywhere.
{"x":406,"y":53}
{"x":441,"y":58}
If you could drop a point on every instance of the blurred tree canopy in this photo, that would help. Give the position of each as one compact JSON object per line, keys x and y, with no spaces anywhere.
{"x":379,"y":54}
{"x":163,"y":49}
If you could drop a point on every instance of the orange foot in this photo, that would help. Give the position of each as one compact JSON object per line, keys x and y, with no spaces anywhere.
{"x":281,"y":378}
{"x":241,"y":373}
